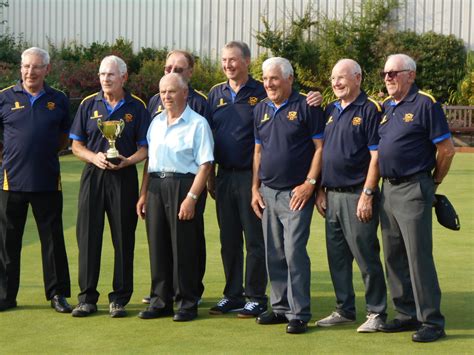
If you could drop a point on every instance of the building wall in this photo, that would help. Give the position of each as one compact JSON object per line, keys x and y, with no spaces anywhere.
{"x":203,"y":26}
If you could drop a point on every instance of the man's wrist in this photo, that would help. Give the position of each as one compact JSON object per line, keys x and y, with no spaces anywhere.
{"x":192,"y":196}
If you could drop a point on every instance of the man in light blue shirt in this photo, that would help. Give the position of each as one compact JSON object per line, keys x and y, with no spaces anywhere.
{"x":179,"y":161}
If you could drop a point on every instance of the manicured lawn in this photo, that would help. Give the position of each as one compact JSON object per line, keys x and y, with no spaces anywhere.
{"x":34,"y":327}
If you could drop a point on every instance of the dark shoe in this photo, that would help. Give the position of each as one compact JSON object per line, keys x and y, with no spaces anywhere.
{"x":153,"y":312}
{"x":84,"y":309}
{"x":146,"y":300}
{"x":428,"y":334}
{"x":226,"y":305}
{"x":271,"y":318}
{"x":296,"y":326}
{"x":117,"y":310}
{"x":252,"y":309}
{"x":4,"y":305}
{"x":181,"y":316}
{"x":398,"y":325}
{"x":60,"y":304}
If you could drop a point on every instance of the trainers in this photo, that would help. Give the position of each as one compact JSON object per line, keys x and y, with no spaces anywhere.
{"x":334,"y":319}
{"x":372,"y":324}
{"x":146,"y":300}
{"x":117,"y":310}
{"x":84,"y":309}
{"x":252,"y":309}
{"x":225,"y":305}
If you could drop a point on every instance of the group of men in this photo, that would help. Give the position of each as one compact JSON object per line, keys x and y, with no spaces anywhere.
{"x":268,"y":155}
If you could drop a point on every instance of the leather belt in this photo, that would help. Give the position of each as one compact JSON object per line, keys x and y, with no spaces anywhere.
{"x":402,"y":179}
{"x":165,"y":175}
{"x":352,"y":188}
{"x":234,"y":169}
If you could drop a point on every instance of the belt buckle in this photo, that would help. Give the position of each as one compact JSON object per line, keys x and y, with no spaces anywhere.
{"x":162,"y":175}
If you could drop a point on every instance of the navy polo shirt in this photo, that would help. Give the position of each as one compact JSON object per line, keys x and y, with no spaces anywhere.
{"x":31,"y":134}
{"x":349,"y":135}
{"x":196,"y":100}
{"x":286,"y":137}
{"x":232,"y":122}
{"x":132,"y":111}
{"x":408,"y":133}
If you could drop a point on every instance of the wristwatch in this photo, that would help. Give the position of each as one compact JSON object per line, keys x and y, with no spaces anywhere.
{"x":368,"y":191}
{"x":311,"y":181}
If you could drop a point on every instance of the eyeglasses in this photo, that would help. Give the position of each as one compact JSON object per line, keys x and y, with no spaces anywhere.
{"x":171,"y":69}
{"x":392,"y":73}
{"x":27,"y":67}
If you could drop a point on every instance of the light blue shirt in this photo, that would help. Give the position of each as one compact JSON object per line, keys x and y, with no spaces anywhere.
{"x":181,"y":147}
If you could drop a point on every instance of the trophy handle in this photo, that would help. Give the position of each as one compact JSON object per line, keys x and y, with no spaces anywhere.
{"x":120,"y":127}
{"x":101,"y":126}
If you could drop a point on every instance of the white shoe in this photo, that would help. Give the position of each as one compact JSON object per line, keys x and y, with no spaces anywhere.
{"x":334,"y":319}
{"x":372,"y":324}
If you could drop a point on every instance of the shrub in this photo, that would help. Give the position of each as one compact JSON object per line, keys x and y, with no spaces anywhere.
{"x":9,"y":74}
{"x":206,"y":74}
{"x":146,"y":82}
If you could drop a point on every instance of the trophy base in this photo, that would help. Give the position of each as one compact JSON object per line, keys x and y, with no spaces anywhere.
{"x":115,"y":161}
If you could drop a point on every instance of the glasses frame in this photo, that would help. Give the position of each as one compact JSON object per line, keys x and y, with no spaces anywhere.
{"x":172,"y":69}
{"x":392,"y":73}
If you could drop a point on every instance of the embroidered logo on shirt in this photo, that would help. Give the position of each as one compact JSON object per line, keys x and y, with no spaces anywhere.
{"x":292,"y":115}
{"x":330,"y":120}
{"x":356,"y":121}
{"x":51,"y":106}
{"x":159,"y":109}
{"x":221,"y":102}
{"x":265,"y":118}
{"x":408,"y":117}
{"x":253,"y":100}
{"x":17,"y":106}
{"x":128,"y":117}
{"x":95,"y":115}
{"x":384,"y":119}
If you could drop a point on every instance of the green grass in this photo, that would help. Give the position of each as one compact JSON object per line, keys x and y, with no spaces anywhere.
{"x":35,"y":328}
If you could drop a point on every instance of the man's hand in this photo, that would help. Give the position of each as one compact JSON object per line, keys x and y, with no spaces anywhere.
{"x":187,"y":208}
{"x":321,"y":202}
{"x":257,"y":203}
{"x":100,"y":160}
{"x":364,"y":208}
{"x":314,"y":98}
{"x":124,"y":162}
{"x":141,"y":207}
{"x":300,"y":195}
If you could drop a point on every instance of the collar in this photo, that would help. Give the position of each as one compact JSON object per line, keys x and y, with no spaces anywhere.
{"x":251,"y":83}
{"x":185,"y":116}
{"x":100,"y":96}
{"x":359,"y":101}
{"x":410,"y":97}
{"x":294,"y":96}
{"x":19,"y":87}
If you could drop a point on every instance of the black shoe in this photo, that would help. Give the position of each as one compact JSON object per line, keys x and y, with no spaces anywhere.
{"x":84,"y":309}
{"x":226,"y":305}
{"x":271,"y":318}
{"x":428,"y":334}
{"x":296,"y":326}
{"x":152,"y":312}
{"x":60,"y":304}
{"x":4,"y":305}
{"x":182,"y":316}
{"x":398,"y":325}
{"x":117,"y":310}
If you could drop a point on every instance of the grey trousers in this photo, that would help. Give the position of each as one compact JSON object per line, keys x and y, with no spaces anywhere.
{"x":347,"y":239}
{"x":286,"y":235}
{"x":406,"y":220}
{"x":235,"y":216}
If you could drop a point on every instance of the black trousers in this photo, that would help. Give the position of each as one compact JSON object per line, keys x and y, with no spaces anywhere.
{"x":114,"y":193}
{"x":174,"y":245}
{"x":236,"y":221}
{"x":47,"y":210}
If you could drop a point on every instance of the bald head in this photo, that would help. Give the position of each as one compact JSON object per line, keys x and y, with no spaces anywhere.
{"x":346,"y":79}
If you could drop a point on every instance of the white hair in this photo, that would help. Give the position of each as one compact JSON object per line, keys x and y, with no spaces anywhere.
{"x":356,"y":69}
{"x":38,"y":52}
{"x":282,"y":63}
{"x":408,"y":61}
{"x":182,"y":83}
{"x":122,"y":66}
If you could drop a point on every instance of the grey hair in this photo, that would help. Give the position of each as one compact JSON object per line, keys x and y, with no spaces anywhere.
{"x":244,"y":48}
{"x":122,"y":66}
{"x":182,"y":83}
{"x":282,"y":63}
{"x":408,"y":61}
{"x":36,"y":51}
{"x":356,"y":69}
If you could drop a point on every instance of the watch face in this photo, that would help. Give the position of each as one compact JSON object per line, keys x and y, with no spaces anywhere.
{"x":311,"y":181}
{"x":368,"y":192}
